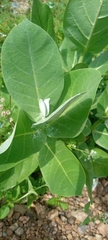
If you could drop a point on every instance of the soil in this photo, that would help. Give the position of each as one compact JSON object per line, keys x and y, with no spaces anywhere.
{"x":41,"y":222}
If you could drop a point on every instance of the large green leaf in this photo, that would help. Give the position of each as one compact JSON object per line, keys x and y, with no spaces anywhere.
{"x":15,"y":175}
{"x":31,"y":66}
{"x":61,"y":170}
{"x":26,"y":142}
{"x":62,"y":109}
{"x":42,"y":16}
{"x":71,"y":123}
{"x":100,"y":135}
{"x":86,"y":24}
{"x":101,"y":63}
{"x":100,"y":163}
{"x":69,"y":55}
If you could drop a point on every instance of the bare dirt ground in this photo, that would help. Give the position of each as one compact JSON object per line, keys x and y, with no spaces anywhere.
{"x":42,"y":222}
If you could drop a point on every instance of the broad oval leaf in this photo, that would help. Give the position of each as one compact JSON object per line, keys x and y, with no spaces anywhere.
{"x":61,"y":170}
{"x":26,"y":142}
{"x":31,"y":66}
{"x":71,"y":102}
{"x":18,"y":173}
{"x":71,"y":123}
{"x":100,"y":163}
{"x":43,"y":17}
{"x":100,"y":135}
{"x":86,"y":24}
{"x":100,"y":63}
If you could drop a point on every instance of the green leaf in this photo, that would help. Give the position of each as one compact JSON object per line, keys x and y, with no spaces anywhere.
{"x":100,"y":63}
{"x":71,"y":123}
{"x":25,"y":143}
{"x":5,"y":145}
{"x":79,"y":66}
{"x":31,"y":66}
{"x":18,"y":173}
{"x":86,"y":221}
{"x":86,"y":162}
{"x":85,"y":23}
{"x":4,"y":210}
{"x":61,"y":170}
{"x":87,"y":130}
{"x":100,"y":136}
{"x":69,"y":55}
{"x":102,"y":104}
{"x":71,"y":102}
{"x":42,"y":16}
{"x":100,"y":163}
{"x":86,"y":207}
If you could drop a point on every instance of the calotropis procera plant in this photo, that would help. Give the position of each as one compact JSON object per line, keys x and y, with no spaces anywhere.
{"x":62,"y":107}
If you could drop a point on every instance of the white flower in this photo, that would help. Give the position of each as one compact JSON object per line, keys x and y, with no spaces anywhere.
{"x":2,"y":100}
{"x":44,"y":107}
{"x":3,"y":113}
{"x":8,"y":112}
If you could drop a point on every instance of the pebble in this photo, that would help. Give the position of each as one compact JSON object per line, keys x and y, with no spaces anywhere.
{"x":1,"y":224}
{"x":79,"y":215}
{"x":24,"y":219}
{"x":68,"y":227}
{"x":106,"y":197}
{"x":11,"y":213}
{"x":16,"y":215}
{"x":19,"y":231}
{"x":82,"y":229}
{"x":98,"y":237}
{"x":103,"y":229}
{"x":71,"y":220}
{"x":52,"y":214}
{"x":69,"y":236}
{"x":9,"y":232}
{"x":20,"y":208}
{"x":64,"y":219}
{"x":14,"y":226}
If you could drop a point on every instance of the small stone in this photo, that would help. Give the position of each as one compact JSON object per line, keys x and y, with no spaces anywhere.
{"x":14,"y":226}
{"x":71,"y":220}
{"x":19,"y":231}
{"x":64,"y":219}
{"x":22,"y":209}
{"x":69,"y":236}
{"x":9,"y":232}
{"x":11,"y":213}
{"x":106,"y":197}
{"x":82,"y":229}
{"x":91,"y":238}
{"x":52,"y":224}
{"x":97,"y":200}
{"x":97,"y":222}
{"x":98,"y":237}
{"x":24,"y":219}
{"x":32,"y":238}
{"x":4,"y":234}
{"x":68,"y":227}
{"x":80,"y":215}
{"x":16,"y":215}
{"x":1,"y":224}
{"x":52,"y":214}
{"x":103,"y":229}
